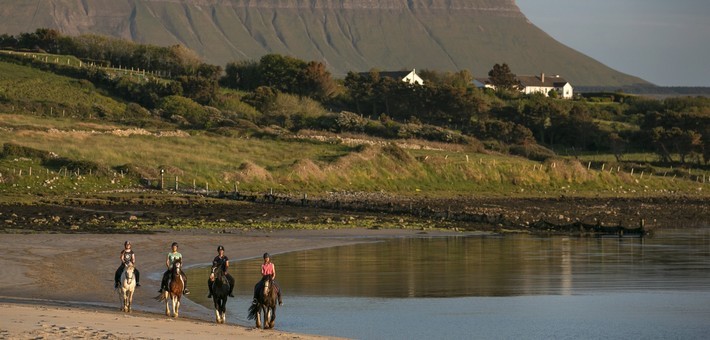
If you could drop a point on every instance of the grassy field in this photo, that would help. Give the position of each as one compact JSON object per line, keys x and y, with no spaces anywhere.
{"x":292,"y":165}
{"x":37,"y":112}
{"x":49,"y":94}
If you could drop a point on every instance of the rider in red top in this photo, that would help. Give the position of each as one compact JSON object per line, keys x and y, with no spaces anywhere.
{"x":268,"y":271}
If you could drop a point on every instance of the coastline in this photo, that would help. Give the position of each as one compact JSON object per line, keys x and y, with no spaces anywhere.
{"x":62,"y":285}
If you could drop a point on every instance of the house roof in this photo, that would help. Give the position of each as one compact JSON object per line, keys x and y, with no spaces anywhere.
{"x":550,"y":81}
{"x":389,"y":74}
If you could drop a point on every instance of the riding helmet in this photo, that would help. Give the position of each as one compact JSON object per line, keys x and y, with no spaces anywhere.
{"x":220,"y":248}
{"x":266,"y":255}
{"x":126,"y":243}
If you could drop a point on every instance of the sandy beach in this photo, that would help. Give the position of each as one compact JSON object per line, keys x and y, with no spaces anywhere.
{"x":61,"y":285}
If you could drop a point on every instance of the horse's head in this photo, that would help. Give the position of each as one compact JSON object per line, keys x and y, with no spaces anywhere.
{"x":177,"y":265}
{"x":129,"y":272}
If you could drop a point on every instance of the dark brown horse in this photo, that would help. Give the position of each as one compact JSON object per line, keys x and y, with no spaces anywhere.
{"x":220,"y":293}
{"x":174,"y":292}
{"x":265,"y":304}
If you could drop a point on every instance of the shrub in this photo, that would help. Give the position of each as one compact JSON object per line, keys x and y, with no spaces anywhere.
{"x":177,"y":107}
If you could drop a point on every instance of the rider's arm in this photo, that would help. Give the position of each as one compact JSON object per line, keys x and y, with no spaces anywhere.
{"x":273,"y":276}
{"x":121,"y":256}
{"x":167,"y":261}
{"x":133,"y":257}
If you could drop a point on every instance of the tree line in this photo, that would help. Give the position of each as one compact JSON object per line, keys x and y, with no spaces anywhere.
{"x":295,"y":94}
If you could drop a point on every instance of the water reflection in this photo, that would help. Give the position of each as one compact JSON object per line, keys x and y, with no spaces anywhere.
{"x":496,"y":266}
{"x":516,"y":287}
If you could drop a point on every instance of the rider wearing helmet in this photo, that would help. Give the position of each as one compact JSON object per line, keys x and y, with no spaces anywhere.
{"x":221,"y":261}
{"x":127,"y":256}
{"x":171,"y":258}
{"x":268,"y":271}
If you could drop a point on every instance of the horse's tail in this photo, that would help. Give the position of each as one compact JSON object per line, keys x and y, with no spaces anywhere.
{"x":160,"y":297}
{"x":253,"y":311}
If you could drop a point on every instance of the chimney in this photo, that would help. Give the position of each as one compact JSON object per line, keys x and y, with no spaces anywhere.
{"x":542,"y":77}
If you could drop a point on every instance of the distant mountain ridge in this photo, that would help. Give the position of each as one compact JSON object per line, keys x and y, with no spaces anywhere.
{"x":349,"y":35}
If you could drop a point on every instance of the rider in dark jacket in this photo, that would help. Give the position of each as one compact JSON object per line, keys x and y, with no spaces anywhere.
{"x":127,"y":256}
{"x":221,"y":261}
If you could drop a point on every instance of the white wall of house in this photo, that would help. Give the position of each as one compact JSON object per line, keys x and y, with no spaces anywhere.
{"x":537,"y":89}
{"x":413,"y":78}
{"x":567,"y":91}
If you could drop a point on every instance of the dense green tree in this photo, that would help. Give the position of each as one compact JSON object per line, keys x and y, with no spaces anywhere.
{"x":502,"y":77}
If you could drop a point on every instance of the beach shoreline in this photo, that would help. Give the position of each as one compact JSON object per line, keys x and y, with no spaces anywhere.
{"x":60,"y":285}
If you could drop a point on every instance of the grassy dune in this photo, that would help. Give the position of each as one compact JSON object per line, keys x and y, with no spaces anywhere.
{"x":292,"y":165}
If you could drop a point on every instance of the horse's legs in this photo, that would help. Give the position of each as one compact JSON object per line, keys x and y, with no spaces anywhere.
{"x":272,"y":317}
{"x":167,"y":303}
{"x":176,"y":307}
{"x":258,"y":317}
{"x":129,"y":301}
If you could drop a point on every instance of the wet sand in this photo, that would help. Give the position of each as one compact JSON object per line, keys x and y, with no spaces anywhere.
{"x":61,"y":285}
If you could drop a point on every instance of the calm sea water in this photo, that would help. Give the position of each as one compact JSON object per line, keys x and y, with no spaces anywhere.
{"x":491,"y":287}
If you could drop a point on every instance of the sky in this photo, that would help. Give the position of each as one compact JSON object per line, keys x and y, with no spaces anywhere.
{"x":665,"y":42}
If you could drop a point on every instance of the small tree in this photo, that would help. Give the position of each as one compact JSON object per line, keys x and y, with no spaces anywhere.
{"x":502,"y":77}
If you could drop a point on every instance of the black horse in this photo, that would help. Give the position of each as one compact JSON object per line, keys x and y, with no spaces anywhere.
{"x":265,"y":303}
{"x":220,"y":289}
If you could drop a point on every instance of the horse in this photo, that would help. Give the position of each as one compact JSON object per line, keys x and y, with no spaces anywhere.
{"x":265,"y":305}
{"x":127,"y":287}
{"x":175,"y":287}
{"x":220,"y":293}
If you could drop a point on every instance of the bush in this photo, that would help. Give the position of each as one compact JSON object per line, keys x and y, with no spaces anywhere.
{"x":184,"y":111}
{"x":533,"y":152}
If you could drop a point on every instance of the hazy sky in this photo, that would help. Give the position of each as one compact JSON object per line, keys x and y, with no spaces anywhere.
{"x":666,"y":42}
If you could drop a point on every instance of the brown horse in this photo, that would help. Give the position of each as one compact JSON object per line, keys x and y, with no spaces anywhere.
{"x":175,"y":287}
{"x":265,"y":304}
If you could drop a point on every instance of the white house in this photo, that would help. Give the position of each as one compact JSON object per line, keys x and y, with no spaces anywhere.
{"x":410,"y":77}
{"x":536,"y":84}
{"x":543,"y":84}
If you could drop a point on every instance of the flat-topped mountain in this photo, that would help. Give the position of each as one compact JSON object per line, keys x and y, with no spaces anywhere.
{"x":347,"y":35}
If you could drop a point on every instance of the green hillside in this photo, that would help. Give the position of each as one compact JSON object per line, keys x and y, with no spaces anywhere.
{"x":346,"y":36}
{"x":47,"y":153}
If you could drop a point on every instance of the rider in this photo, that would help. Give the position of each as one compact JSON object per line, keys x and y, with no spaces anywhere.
{"x":222,"y":261}
{"x":268,"y":271}
{"x":127,"y":256}
{"x":172,"y":257}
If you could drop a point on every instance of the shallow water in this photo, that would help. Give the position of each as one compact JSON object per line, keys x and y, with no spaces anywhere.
{"x":492,"y":287}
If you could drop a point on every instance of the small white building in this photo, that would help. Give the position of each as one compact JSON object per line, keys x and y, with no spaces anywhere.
{"x":543,"y":84}
{"x":410,"y":77}
{"x":536,"y":84}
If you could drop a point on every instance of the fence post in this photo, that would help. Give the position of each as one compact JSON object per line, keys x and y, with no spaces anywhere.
{"x":176,"y":183}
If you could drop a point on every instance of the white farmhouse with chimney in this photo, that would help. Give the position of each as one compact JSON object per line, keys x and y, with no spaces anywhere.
{"x":543,"y":84}
{"x":536,"y":84}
